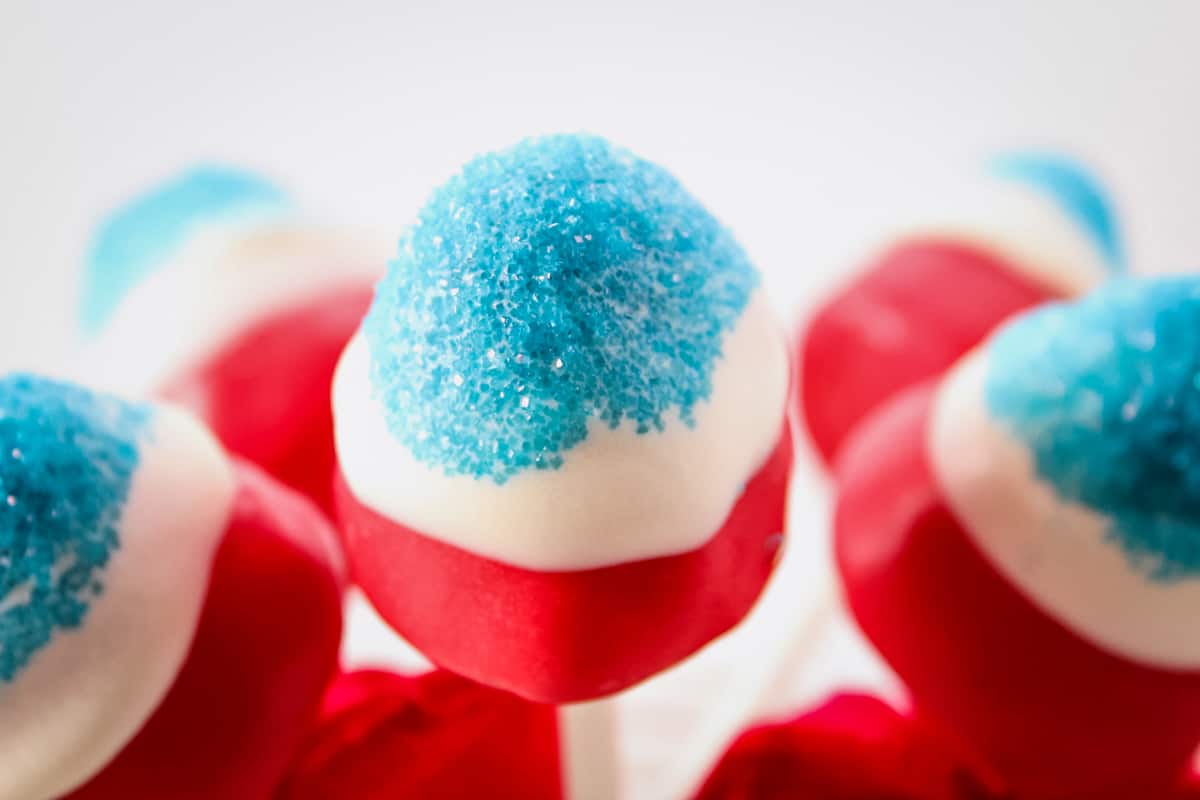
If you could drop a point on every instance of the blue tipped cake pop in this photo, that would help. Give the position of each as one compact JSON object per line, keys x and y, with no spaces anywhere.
{"x":561,"y":432}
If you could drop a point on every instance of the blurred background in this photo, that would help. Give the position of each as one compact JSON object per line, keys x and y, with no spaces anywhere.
{"x":807,"y":127}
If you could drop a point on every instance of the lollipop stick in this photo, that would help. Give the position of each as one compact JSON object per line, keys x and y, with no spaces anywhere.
{"x":588,"y":738}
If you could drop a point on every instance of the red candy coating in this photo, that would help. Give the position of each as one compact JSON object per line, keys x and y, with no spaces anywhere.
{"x":567,"y":636}
{"x":908,"y":317}
{"x":1055,"y":716}
{"x":382,"y":736}
{"x":265,"y":649}
{"x":266,"y":394}
{"x":852,"y":747}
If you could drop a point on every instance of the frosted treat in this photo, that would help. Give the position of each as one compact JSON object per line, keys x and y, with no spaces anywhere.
{"x":164,"y":614}
{"x":1031,"y":526}
{"x":213,"y":289}
{"x":1033,"y":227}
{"x":561,"y":430}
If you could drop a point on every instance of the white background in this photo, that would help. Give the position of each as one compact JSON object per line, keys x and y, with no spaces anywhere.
{"x":804,"y":126}
{"x":801,"y":124}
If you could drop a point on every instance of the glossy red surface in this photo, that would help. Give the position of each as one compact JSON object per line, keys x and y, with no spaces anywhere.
{"x":573,"y":635}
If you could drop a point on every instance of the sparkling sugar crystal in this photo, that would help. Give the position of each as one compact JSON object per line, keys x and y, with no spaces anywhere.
{"x":1104,"y":393}
{"x":560,"y":282}
{"x":70,"y":457}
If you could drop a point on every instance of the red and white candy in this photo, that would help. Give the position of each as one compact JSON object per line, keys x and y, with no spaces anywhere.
{"x":1047,"y":629}
{"x":208,"y":634}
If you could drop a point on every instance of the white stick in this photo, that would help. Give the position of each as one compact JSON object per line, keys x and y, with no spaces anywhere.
{"x":773,"y":643}
{"x":587,"y":735}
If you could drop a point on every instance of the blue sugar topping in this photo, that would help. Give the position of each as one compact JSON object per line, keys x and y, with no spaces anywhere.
{"x":141,"y":236}
{"x":1076,"y":191}
{"x":66,"y":460}
{"x":544,"y":286}
{"x":1105,"y":392}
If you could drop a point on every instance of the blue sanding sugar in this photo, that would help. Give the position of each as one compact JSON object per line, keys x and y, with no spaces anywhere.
{"x":66,"y":460}
{"x":142,"y":235}
{"x":561,"y":281}
{"x":1074,"y":190}
{"x":1105,"y":392}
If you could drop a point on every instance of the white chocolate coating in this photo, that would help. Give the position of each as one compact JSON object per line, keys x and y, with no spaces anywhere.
{"x":1019,"y":225}
{"x":618,"y":497}
{"x":1055,"y":552}
{"x":221,"y":282}
{"x":88,"y":692}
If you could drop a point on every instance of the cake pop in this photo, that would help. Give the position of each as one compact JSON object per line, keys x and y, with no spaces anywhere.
{"x":211,"y":289}
{"x":1021,"y":541}
{"x":166,"y":618}
{"x":561,"y":430}
{"x":1035,"y":227}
